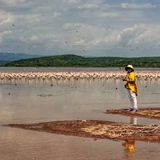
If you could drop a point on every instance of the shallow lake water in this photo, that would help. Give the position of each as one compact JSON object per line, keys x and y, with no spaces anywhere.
{"x":43,"y":101}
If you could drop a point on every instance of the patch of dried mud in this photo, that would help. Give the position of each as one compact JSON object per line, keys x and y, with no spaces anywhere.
{"x":145,"y":112}
{"x":97,"y":129}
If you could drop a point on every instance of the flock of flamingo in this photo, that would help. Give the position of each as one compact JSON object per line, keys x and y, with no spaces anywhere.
{"x":63,"y":75}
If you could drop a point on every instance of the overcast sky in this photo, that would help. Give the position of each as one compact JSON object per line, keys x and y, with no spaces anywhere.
{"x":126,"y":28}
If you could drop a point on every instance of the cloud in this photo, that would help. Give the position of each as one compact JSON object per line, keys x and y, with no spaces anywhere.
{"x":80,"y":4}
{"x":138,"y":35}
{"x":137,"y":6}
{"x":69,"y":26}
{"x":88,"y":6}
{"x":109,"y":14}
{"x":3,"y":35}
{"x":6,"y":19}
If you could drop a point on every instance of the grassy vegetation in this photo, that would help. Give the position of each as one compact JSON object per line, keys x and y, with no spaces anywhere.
{"x":78,"y":61}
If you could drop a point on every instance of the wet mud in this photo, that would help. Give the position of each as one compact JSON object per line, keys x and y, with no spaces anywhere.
{"x":97,"y":129}
{"x":153,"y":113}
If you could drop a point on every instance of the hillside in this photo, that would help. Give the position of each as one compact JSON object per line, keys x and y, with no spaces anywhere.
{"x":15,"y":56}
{"x":3,"y":62}
{"x":78,"y":61}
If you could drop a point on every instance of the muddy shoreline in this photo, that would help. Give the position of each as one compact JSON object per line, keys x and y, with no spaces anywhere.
{"x":97,"y":129}
{"x":152,"y":113}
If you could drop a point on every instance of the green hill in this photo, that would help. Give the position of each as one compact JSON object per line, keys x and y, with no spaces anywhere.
{"x":3,"y":62}
{"x":78,"y":61}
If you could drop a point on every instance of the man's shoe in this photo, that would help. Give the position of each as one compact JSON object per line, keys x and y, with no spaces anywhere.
{"x":130,"y":109}
{"x":134,"y":110}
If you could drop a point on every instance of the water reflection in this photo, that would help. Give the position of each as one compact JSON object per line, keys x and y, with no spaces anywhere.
{"x":130,"y":145}
{"x":133,"y":120}
{"x":38,"y":101}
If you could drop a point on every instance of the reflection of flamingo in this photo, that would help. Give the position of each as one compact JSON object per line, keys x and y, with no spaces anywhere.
{"x":144,"y":75}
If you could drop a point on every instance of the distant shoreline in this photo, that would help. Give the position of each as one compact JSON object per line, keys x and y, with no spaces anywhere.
{"x":91,"y":62}
{"x":70,"y":69}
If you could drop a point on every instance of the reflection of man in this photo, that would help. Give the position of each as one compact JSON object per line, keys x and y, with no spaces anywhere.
{"x":130,"y":144}
{"x":133,"y":120}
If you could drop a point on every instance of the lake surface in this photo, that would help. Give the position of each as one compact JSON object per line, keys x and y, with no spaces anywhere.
{"x":34,"y":101}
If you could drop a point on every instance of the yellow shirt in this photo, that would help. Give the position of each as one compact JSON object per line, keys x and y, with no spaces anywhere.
{"x":131,"y":82}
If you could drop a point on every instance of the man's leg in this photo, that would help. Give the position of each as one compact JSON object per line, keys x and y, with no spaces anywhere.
{"x":131,"y":99}
{"x":134,"y":100}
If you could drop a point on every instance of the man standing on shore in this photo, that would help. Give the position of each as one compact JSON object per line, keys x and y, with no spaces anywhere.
{"x":131,"y":87}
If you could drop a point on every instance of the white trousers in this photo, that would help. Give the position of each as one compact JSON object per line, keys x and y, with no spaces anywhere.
{"x":133,"y":99}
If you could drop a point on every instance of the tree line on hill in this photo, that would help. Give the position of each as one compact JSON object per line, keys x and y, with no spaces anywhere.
{"x":79,"y":61}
